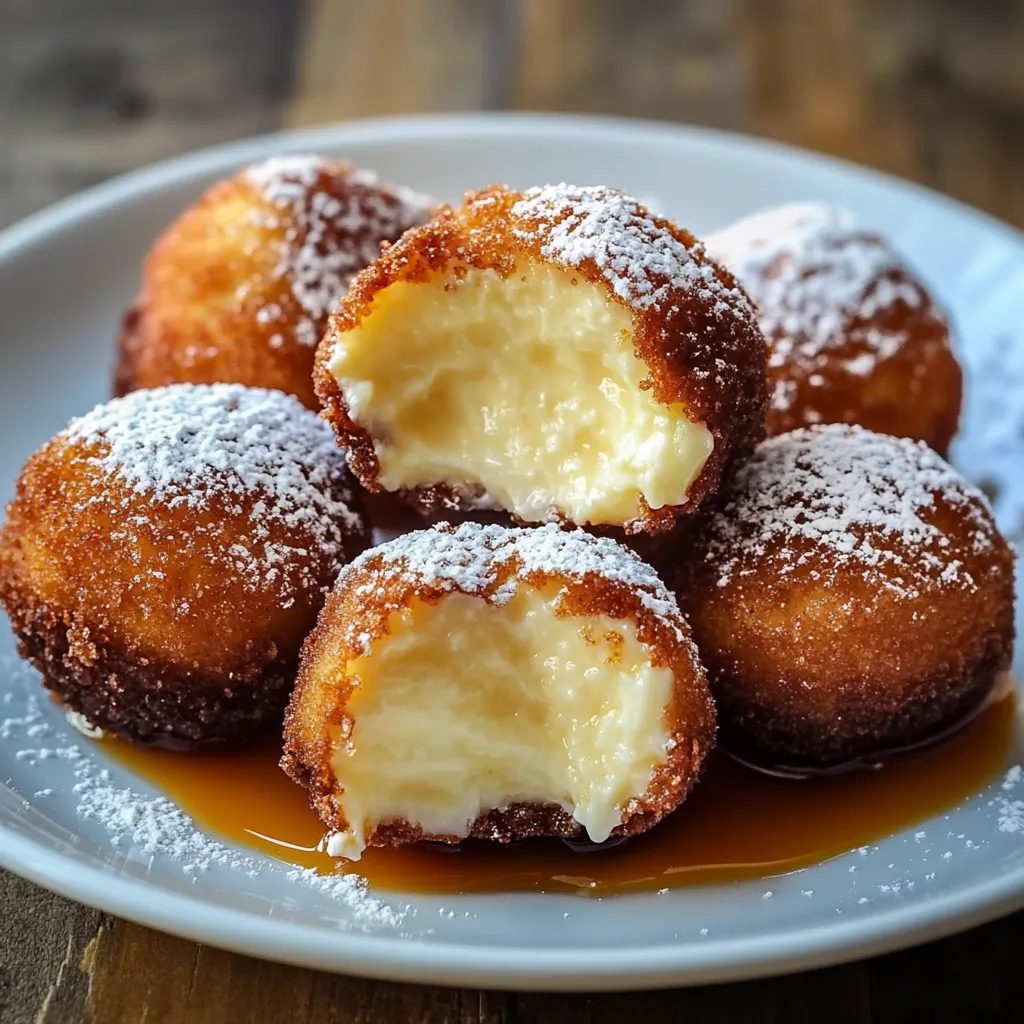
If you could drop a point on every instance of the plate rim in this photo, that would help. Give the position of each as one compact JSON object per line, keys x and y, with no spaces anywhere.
{"x":222,"y":156}
{"x":445,"y":962}
{"x":552,"y":968}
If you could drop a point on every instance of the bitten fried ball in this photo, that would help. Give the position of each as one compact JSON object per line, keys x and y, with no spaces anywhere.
{"x":238,"y":289}
{"x":166,"y":555}
{"x":497,"y":683}
{"x":851,"y":597}
{"x":561,"y":354}
{"x":853,"y":336}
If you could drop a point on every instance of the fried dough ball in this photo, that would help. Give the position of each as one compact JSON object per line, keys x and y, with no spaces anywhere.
{"x":166,"y":555}
{"x":497,"y":683}
{"x":238,"y":289}
{"x":850,"y":597}
{"x":560,"y":354}
{"x":853,"y":336}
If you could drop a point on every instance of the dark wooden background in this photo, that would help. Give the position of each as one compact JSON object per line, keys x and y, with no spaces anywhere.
{"x":929,"y":89}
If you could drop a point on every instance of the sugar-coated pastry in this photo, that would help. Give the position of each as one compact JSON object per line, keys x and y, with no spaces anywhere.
{"x":850,"y":596}
{"x":561,"y":354}
{"x":500,"y":684}
{"x":238,"y":289}
{"x":853,"y":335}
{"x":166,"y":555}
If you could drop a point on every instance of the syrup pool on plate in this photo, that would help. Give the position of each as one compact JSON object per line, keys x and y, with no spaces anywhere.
{"x":738,"y":824}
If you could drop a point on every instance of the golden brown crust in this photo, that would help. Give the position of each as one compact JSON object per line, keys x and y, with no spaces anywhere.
{"x":235,"y":289}
{"x":349,"y":622}
{"x":526,"y":821}
{"x":161,"y":619}
{"x":853,"y":335}
{"x":148,"y":701}
{"x":818,"y":658}
{"x":701,"y":344}
{"x":915,"y":392}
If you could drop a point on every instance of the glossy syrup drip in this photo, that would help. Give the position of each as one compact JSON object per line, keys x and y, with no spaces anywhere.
{"x":739,"y":823}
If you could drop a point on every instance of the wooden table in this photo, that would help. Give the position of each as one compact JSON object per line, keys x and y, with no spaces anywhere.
{"x":929,"y":89}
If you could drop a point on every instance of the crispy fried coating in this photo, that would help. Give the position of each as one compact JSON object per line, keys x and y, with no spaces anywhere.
{"x":688,"y":323}
{"x":851,"y":596}
{"x":165,"y":556}
{"x":238,"y":288}
{"x":389,"y":586}
{"x":853,"y":335}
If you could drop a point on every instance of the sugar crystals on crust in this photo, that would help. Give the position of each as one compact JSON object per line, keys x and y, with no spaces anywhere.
{"x":166,"y":554}
{"x":561,"y":354}
{"x":850,"y":595}
{"x":239,"y":287}
{"x":497,"y":683}
{"x":853,"y":335}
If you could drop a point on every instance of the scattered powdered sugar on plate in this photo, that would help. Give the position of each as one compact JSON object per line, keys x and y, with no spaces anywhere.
{"x":990,"y":445}
{"x":333,"y":218}
{"x":154,"y":827}
{"x":1010,"y":808}
{"x":1011,"y":816}
{"x":854,"y":494}
{"x":145,"y":828}
{"x":819,"y":282}
{"x":638,"y":255}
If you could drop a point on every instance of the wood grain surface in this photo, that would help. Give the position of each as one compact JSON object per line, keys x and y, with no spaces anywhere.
{"x":929,"y":89}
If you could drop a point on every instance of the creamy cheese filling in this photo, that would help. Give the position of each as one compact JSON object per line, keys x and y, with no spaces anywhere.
{"x":464,"y":707}
{"x":525,"y":386}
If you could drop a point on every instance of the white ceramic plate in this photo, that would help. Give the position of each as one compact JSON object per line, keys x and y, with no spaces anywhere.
{"x":65,"y":277}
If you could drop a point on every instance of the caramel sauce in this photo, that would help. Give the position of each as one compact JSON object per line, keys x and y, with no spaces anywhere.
{"x":738,"y":823}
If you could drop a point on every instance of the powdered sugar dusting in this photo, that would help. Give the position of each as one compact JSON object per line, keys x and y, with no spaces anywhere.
{"x":472,"y":558}
{"x":818,"y":281}
{"x":154,"y":827}
{"x":639,"y":257}
{"x":1011,"y":816}
{"x":285,"y":177}
{"x":334,"y":218}
{"x":847,"y":490}
{"x":991,"y":441}
{"x":259,"y":453}
{"x":184,"y":443}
